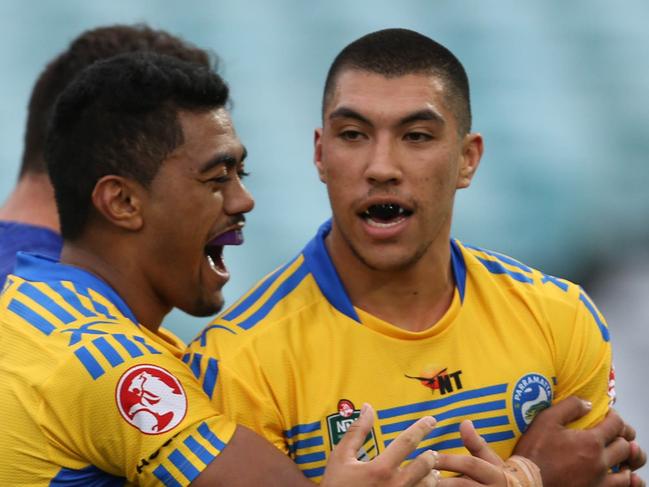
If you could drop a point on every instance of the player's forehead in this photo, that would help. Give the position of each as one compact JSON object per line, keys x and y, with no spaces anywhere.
{"x":376,"y":95}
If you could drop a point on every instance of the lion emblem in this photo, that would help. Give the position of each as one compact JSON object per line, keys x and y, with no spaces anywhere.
{"x":151,"y":399}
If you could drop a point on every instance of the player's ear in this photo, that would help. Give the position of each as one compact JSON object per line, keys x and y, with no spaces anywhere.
{"x":472,"y":149}
{"x":317,"y":154}
{"x":119,"y":201}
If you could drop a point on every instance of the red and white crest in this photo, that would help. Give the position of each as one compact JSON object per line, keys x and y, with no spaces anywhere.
{"x":151,"y":399}
{"x":345,"y":408}
{"x":611,"y":386}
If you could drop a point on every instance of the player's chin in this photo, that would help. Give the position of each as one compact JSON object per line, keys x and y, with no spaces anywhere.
{"x":206,"y":305}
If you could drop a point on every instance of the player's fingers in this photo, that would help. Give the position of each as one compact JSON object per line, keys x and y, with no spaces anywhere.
{"x":637,"y":456}
{"x":619,"y":479}
{"x":430,"y":480}
{"x":570,"y":409}
{"x":476,"y":445}
{"x":628,"y":432}
{"x":474,"y":468}
{"x":610,"y":428}
{"x":458,"y":482}
{"x":404,"y":444}
{"x":355,"y":436}
{"x":617,"y":452}
{"x":421,"y":471}
{"x":636,"y":481}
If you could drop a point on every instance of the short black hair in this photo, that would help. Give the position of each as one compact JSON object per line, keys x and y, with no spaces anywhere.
{"x":397,"y":52}
{"x":120,"y":116}
{"x":88,"y":47}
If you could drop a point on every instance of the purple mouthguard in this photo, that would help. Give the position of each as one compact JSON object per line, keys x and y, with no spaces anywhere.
{"x":233,"y":237}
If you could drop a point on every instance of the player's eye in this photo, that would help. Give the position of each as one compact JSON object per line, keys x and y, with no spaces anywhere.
{"x":417,"y":137}
{"x":351,"y":135}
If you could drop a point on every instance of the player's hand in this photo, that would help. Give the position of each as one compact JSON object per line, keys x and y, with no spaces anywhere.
{"x":343,"y":469}
{"x":637,"y":458}
{"x":582,"y":456}
{"x":484,"y":467}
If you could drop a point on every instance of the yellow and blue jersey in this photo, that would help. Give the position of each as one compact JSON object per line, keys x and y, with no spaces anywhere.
{"x":90,"y":397}
{"x":295,"y":360}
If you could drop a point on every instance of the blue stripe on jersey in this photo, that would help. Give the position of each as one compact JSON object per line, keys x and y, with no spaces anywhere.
{"x":211,"y":374}
{"x":459,"y":269}
{"x":282,"y":290}
{"x":503,"y":258}
{"x":89,"y":476}
{"x":309,"y":457}
{"x":131,"y":348}
{"x":606,"y":336}
{"x":497,"y":268}
{"x":313,"y":472}
{"x":438,"y":403}
{"x":71,"y":298}
{"x":196,"y":365}
{"x":165,"y":477}
{"x":31,"y":317}
{"x":308,"y":442}
{"x":199,"y":450}
{"x":40,"y":268}
{"x":301,"y":429}
{"x":457,"y":443}
{"x":451,"y":413}
{"x":89,"y":362}
{"x":46,"y":302}
{"x":108,"y":351}
{"x":185,"y":358}
{"x":99,"y":308}
{"x":76,"y":334}
{"x":203,"y":336}
{"x":557,"y":282}
{"x":471,"y":409}
{"x":244,"y":305}
{"x":146,"y":345}
{"x":182,"y":463}
{"x":321,"y":267}
{"x":209,"y":435}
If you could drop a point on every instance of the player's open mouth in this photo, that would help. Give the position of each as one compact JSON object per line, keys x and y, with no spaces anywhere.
{"x":385,"y":215}
{"x":214,"y":249}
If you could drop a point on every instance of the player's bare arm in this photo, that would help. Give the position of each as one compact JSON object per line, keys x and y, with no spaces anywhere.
{"x":587,"y":457}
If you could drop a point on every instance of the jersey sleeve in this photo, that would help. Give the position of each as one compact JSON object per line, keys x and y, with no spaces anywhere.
{"x":584,"y":364}
{"x":135,"y":412}
{"x":230,"y":372}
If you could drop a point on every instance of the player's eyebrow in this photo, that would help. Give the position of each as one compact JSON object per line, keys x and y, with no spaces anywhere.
{"x":346,"y":112}
{"x":226,"y":158}
{"x":426,"y":114}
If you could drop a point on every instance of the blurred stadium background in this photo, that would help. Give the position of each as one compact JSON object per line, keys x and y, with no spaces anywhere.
{"x":559,"y":93}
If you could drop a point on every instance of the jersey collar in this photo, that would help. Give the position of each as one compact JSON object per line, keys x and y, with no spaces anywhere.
{"x":39,"y":268}
{"x":323,"y":271}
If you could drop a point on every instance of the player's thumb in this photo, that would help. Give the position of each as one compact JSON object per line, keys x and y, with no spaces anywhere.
{"x":355,"y":436}
{"x":570,"y":409}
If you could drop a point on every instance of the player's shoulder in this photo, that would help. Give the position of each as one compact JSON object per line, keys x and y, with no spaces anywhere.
{"x":68,"y":322}
{"x":277,"y":300}
{"x":491,"y":268}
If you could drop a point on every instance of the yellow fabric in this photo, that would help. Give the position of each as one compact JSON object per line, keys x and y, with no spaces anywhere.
{"x":65,"y":347}
{"x":294,"y":361}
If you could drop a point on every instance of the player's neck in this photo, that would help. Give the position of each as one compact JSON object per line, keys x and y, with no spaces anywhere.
{"x":120,"y":268}
{"x":414,"y":298}
{"x":32,"y":202}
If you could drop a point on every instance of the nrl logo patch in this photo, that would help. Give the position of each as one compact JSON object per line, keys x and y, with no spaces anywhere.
{"x":339,"y":423}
